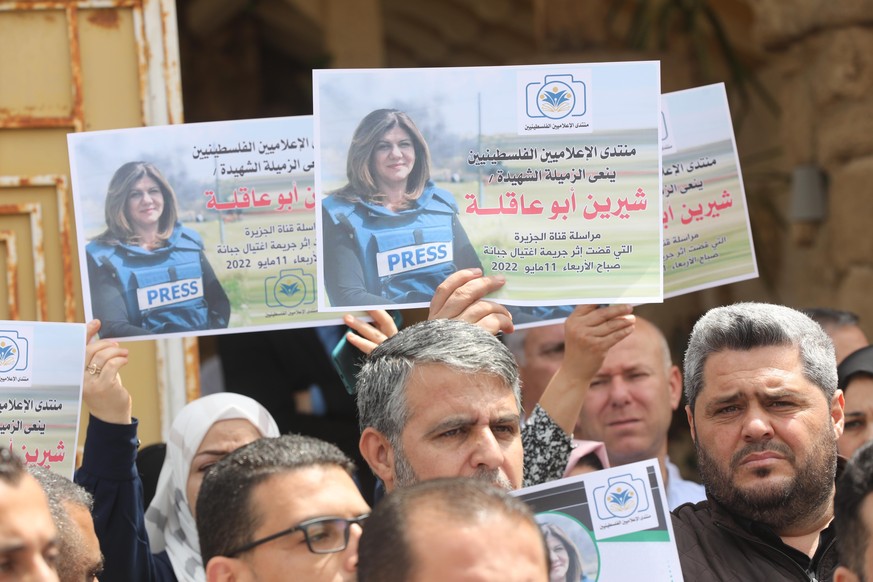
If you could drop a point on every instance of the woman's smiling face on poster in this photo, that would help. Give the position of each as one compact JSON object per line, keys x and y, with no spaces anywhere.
{"x":559,"y":559}
{"x":145,"y":204}
{"x":393,"y":158}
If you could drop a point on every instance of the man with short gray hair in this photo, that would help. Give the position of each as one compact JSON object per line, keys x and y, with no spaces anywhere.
{"x":765,"y":416}
{"x":79,"y":557}
{"x":442,"y":399}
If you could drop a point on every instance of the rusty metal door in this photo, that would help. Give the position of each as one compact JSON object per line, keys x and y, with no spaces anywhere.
{"x":70,"y":66}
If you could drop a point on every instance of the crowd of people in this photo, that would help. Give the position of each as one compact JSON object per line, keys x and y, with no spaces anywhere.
{"x":452,"y":419}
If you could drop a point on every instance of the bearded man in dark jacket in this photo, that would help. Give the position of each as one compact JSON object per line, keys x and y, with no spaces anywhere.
{"x":765,"y":416}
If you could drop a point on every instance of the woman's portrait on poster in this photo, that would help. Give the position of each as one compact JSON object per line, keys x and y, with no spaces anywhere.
{"x":148,"y":274}
{"x":390,"y":235}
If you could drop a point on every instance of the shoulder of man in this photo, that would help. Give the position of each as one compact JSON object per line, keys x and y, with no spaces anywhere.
{"x":696,"y":533}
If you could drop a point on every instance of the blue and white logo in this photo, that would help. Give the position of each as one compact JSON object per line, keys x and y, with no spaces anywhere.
{"x":557,"y":97}
{"x":13,"y":351}
{"x":290,"y":289}
{"x":624,"y":496}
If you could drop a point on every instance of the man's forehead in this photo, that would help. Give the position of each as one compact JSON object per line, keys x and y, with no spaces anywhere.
{"x":644,"y":346}
{"x":785,"y":357}
{"x":431,"y":377}
{"x":307,"y":490}
{"x":540,"y":335}
{"x":24,"y":509}
{"x":763,"y":370}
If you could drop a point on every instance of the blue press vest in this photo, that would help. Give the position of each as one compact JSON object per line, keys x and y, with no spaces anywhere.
{"x":405,"y":254}
{"x":163,"y":289}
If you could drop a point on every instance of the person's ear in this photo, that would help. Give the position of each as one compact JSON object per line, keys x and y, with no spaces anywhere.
{"x":843,"y":574}
{"x":675,"y":382}
{"x":838,"y":413}
{"x":222,"y":569}
{"x":690,"y":414}
{"x":379,"y":454}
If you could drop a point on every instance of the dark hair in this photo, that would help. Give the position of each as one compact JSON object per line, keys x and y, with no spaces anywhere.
{"x":858,"y":363}
{"x":746,"y":326}
{"x":226,"y":519}
{"x":11,"y":467}
{"x":119,"y":229}
{"x":384,"y":553}
{"x":853,"y":486}
{"x":359,"y":171}
{"x":829,"y":317}
{"x":574,"y":569}
{"x":590,"y":460}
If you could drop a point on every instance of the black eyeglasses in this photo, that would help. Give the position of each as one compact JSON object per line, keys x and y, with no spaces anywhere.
{"x":324,"y":535}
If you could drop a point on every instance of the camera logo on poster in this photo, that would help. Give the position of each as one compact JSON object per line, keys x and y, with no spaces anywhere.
{"x":554,"y":103}
{"x":15,"y":357}
{"x":624,"y":496}
{"x":290,"y":289}
{"x":557,"y":97}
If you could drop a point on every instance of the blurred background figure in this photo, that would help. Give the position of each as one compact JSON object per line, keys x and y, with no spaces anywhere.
{"x":29,"y":549}
{"x":80,"y":559}
{"x":855,"y":379}
{"x":853,"y":518}
{"x":842,"y":327}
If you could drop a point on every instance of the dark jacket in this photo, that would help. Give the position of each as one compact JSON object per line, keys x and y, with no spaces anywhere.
{"x":109,"y":473}
{"x":715,"y":545}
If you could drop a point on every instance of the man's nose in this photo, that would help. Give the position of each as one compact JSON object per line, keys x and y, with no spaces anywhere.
{"x":756,"y":425}
{"x":350,"y":558}
{"x":488,"y":453}
{"x":619,"y":392}
{"x":40,"y":571}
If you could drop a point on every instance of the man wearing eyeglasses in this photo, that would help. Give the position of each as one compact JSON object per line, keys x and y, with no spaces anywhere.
{"x":280,"y":509}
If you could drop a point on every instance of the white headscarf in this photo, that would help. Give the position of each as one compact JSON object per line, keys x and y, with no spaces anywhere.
{"x":169,"y":522}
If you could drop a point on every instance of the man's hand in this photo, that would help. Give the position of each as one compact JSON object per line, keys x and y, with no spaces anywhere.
{"x":103,"y":392}
{"x":460,"y":297}
{"x":367,"y":336}
{"x":589,"y":332}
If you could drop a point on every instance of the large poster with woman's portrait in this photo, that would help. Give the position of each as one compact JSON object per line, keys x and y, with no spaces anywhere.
{"x":547,"y":175}
{"x":200,"y":228}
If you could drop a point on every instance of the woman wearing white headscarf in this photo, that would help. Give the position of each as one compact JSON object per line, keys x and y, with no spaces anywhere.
{"x":205,"y":431}
{"x":160,"y":544}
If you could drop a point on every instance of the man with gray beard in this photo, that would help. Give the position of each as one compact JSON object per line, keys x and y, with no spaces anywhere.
{"x":442,"y":399}
{"x":765,"y":416}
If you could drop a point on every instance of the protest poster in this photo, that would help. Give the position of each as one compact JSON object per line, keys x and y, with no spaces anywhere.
{"x":606,"y":516}
{"x":234,"y":202}
{"x":707,"y":234}
{"x":41,"y":367}
{"x":548,"y":175}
